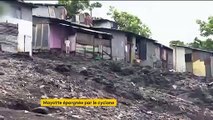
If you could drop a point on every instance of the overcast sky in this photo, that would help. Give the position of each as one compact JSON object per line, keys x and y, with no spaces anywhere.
{"x":168,"y":20}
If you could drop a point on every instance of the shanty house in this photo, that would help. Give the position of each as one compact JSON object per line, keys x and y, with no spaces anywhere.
{"x":197,"y":61}
{"x":146,"y":50}
{"x":50,"y":10}
{"x":105,"y":23}
{"x":164,"y":56}
{"x":50,"y":34}
{"x":126,"y":45}
{"x":16,"y":26}
{"x":123,"y":44}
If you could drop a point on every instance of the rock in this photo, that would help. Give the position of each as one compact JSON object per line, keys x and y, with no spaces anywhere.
{"x":127,"y":71}
{"x":63,"y":68}
{"x":1,"y":117}
{"x":84,"y":72}
{"x":1,"y":73}
{"x":115,"y":66}
{"x":146,"y":70}
{"x":41,"y":110}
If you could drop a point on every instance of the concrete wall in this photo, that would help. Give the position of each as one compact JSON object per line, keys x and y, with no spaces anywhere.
{"x":24,"y":26}
{"x":150,"y":56}
{"x":179,"y":59}
{"x":170,"y":59}
{"x":189,"y":65}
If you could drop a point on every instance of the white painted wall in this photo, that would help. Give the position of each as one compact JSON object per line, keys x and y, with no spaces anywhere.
{"x":211,"y":59}
{"x":179,"y":59}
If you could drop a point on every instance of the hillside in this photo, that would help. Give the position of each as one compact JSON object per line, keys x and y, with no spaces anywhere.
{"x":143,"y":93}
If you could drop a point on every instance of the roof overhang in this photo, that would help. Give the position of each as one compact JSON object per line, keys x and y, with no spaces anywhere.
{"x":48,"y":20}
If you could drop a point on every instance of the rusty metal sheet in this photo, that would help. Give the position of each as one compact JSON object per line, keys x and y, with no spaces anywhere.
{"x":8,"y":29}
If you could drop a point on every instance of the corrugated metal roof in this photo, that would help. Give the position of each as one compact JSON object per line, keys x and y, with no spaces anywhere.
{"x":94,"y":31}
{"x":164,"y":46}
{"x":197,"y":49}
{"x":45,"y":4}
{"x":73,"y":25}
{"x":100,"y":20}
{"x":123,"y":31}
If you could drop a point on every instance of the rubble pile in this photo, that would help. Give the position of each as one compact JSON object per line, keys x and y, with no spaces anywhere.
{"x":143,"y":93}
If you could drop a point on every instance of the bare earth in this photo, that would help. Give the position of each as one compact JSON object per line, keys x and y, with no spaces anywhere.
{"x":142,"y":93}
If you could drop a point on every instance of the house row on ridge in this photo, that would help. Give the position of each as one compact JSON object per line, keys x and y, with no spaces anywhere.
{"x":27,"y":27}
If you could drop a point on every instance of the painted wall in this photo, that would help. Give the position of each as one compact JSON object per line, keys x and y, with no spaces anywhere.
{"x":179,"y":59}
{"x":201,"y":63}
{"x":199,"y":68}
{"x":189,"y":65}
{"x":24,"y":27}
{"x":57,"y":36}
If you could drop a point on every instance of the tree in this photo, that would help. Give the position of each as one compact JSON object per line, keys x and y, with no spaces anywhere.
{"x":74,"y":6}
{"x":202,"y":44}
{"x":129,"y":22}
{"x":176,"y":42}
{"x":206,"y":30}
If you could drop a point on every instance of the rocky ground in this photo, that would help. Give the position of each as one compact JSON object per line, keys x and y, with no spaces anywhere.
{"x":143,"y":93}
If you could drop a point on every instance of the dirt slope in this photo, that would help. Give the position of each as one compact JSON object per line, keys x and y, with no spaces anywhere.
{"x":142,"y":93}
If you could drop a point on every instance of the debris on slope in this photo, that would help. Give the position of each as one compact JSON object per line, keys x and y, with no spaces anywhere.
{"x":142,"y":92}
